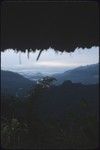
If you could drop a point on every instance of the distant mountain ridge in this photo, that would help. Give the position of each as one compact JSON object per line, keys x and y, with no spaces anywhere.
{"x":33,"y":77}
{"x":86,"y":75}
{"x":14,"y":84}
{"x":19,"y":85}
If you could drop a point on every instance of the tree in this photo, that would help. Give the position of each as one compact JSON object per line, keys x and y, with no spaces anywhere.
{"x":43,"y":84}
{"x":12,"y":132}
{"x":46,"y":82}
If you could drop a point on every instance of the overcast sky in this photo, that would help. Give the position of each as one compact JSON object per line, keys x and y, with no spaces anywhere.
{"x":49,"y":61}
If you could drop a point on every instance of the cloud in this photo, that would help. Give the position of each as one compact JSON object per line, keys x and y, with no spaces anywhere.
{"x":55,"y":64}
{"x":49,"y":60}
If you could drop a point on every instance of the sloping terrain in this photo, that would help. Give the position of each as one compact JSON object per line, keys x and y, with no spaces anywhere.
{"x":14,"y":84}
{"x":86,"y":75}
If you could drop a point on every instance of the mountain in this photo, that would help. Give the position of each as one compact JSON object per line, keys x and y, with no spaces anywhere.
{"x":86,"y":75}
{"x":15,"y":84}
{"x":33,"y":76}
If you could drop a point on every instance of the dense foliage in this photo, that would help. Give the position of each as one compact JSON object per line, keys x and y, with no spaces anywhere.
{"x":56,"y":117}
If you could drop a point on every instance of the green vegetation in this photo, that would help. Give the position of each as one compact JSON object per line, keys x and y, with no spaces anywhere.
{"x":25,"y":126}
{"x":12,"y":132}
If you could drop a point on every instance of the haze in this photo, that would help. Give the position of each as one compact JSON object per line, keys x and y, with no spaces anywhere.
{"x":49,"y":61}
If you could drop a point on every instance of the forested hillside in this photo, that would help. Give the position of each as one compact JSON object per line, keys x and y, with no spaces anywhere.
{"x":87,"y":75}
{"x":15,"y":84}
{"x":56,"y":117}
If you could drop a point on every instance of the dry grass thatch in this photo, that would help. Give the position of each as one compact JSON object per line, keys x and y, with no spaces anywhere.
{"x":63,"y":26}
